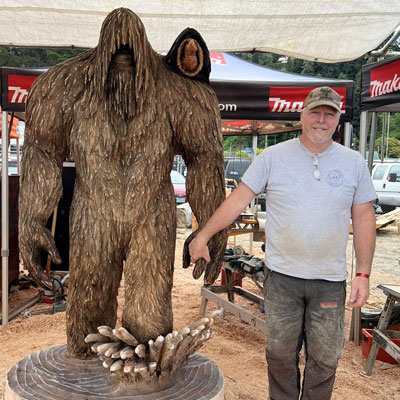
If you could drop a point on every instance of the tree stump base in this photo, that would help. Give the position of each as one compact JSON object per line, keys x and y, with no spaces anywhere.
{"x":52,"y":375}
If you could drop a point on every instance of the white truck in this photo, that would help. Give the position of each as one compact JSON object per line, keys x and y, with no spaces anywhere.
{"x":386,"y":179}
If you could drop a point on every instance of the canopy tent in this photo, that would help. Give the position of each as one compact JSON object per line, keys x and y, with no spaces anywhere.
{"x":249,"y":91}
{"x":380,"y":92}
{"x":244,"y":90}
{"x":380,"y":86}
{"x":325,"y":31}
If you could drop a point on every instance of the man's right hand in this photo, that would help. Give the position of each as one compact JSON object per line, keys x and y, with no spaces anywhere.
{"x":198,"y":249}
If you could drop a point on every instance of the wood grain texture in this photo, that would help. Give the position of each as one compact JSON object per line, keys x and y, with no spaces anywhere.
{"x":123,"y":114}
{"x":53,"y":375}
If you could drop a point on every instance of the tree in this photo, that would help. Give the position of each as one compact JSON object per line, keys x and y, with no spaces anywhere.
{"x":393,"y":146}
{"x":34,"y":57}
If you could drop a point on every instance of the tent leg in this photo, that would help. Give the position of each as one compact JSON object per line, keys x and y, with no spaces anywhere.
{"x":4,"y":219}
{"x":372,"y":138}
{"x":254,"y":154}
{"x":347,"y":134}
{"x":363,"y":133}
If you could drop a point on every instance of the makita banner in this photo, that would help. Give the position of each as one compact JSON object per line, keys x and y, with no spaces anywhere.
{"x":15,"y":85}
{"x":380,"y":84}
{"x":244,"y":90}
{"x":252,"y":92}
{"x":291,"y":99}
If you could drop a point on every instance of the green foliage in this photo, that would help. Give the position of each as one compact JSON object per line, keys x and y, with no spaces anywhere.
{"x":393,"y":148}
{"x":236,"y":143}
{"x":34,"y":57}
{"x":242,"y":154}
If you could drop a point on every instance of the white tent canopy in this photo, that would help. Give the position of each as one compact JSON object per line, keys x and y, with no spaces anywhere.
{"x":325,"y":31}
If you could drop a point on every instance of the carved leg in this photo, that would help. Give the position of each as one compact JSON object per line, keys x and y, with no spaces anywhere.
{"x":149,"y":276}
{"x":95,"y":275}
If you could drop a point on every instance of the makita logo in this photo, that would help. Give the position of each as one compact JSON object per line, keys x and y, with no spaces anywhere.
{"x":385,"y":79}
{"x":18,"y":95}
{"x":286,"y":99}
{"x":378,"y":88}
{"x":218,"y":58}
{"x":281,"y":105}
{"x":18,"y":87}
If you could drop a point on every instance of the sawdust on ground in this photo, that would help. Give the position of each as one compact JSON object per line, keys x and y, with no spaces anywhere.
{"x":237,"y":348}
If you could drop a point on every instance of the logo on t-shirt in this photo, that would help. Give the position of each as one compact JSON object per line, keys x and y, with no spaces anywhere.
{"x":335,"y":178}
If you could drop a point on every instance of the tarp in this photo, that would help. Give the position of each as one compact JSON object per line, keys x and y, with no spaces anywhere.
{"x":244,"y":90}
{"x":326,"y":31}
{"x":380,"y":86}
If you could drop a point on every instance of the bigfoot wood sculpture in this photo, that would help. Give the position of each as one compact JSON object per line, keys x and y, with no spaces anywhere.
{"x":122,"y":111}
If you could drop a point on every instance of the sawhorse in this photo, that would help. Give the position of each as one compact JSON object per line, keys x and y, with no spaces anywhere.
{"x":380,"y":339}
{"x":210,"y":293}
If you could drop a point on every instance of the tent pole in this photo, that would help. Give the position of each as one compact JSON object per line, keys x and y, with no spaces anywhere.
{"x":347,"y":134}
{"x":363,"y":133}
{"x":372,"y":138}
{"x":383,"y":137}
{"x":253,"y":156}
{"x":4,"y":219}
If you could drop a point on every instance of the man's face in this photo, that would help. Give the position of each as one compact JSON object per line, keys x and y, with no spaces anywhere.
{"x":319,"y":124}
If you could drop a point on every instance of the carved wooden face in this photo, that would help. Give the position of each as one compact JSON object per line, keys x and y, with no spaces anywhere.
{"x":123,"y":45}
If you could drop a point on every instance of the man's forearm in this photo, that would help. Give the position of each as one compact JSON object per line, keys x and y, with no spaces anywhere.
{"x":364,"y":230}
{"x":227,"y":212}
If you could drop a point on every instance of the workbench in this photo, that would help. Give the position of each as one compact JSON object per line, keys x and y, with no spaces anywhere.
{"x":380,"y":336}
{"x":246,"y":266}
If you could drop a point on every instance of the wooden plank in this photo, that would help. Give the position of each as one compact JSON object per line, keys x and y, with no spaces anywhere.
{"x":383,"y":341}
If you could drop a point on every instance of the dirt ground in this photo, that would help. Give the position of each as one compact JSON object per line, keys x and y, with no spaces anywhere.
{"x":237,"y":348}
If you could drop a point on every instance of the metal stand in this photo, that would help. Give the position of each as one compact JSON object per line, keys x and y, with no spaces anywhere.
{"x":380,"y":338}
{"x":246,"y":269}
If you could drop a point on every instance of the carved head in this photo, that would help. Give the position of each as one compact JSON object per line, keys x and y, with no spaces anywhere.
{"x":123,"y":51}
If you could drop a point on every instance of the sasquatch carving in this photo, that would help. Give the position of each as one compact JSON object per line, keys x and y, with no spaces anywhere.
{"x":123,"y":112}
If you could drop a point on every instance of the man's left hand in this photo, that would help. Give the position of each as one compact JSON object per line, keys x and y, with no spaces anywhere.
{"x":359,"y":292}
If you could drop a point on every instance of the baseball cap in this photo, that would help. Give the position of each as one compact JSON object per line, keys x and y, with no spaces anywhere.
{"x":322,"y":96}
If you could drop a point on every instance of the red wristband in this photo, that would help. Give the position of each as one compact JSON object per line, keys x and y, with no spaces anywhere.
{"x":362,"y":275}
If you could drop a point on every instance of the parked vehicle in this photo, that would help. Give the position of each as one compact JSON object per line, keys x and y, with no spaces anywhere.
{"x":235,"y":169}
{"x":179,"y":183}
{"x":386,"y":180}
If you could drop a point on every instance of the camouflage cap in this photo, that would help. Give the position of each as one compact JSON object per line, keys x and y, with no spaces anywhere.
{"x":322,"y":96}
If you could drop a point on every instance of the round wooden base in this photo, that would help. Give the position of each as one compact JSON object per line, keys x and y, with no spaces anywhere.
{"x":51,"y":375}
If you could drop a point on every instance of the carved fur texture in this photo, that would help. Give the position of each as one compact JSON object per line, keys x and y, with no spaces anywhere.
{"x":123,"y":114}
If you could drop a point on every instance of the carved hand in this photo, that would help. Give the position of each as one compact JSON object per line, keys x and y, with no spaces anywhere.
{"x":33,"y":238}
{"x":216,"y":247}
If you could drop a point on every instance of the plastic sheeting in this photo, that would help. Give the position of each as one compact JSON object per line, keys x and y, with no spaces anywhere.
{"x":323,"y":30}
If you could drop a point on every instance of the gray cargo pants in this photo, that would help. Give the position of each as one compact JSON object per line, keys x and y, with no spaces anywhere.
{"x":296,"y":311}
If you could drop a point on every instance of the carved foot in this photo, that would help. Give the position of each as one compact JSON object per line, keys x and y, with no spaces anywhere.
{"x":154,"y":363}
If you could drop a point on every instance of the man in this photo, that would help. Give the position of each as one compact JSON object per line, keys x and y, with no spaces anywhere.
{"x":313,"y":186}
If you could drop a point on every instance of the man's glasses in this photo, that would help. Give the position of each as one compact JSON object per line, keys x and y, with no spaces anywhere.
{"x":317,"y":173}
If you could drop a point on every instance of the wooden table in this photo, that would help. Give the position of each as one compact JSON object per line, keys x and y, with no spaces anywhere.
{"x":380,"y":339}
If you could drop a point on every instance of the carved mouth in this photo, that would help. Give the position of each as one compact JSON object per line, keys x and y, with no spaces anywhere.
{"x":123,"y":56}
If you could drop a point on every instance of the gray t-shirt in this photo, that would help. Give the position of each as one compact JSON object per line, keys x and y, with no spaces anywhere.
{"x":308,"y":220}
